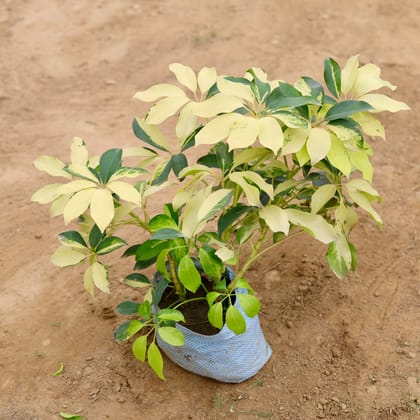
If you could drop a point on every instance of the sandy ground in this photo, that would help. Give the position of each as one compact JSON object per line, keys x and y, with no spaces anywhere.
{"x":345,"y":350}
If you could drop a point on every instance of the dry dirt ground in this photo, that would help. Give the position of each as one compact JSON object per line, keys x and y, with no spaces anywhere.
{"x":341,"y":349}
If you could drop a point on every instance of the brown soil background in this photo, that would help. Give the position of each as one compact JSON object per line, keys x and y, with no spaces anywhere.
{"x":341,"y":349}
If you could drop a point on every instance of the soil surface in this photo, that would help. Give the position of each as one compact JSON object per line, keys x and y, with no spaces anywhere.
{"x":341,"y":349}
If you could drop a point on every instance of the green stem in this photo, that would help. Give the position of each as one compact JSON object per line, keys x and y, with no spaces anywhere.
{"x":140,"y":222}
{"x":179,"y":288}
{"x":188,"y":301}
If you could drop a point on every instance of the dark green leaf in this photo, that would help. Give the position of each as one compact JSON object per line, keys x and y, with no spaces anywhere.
{"x":211,"y":264}
{"x":241,"y":80}
{"x":260,"y":89}
{"x":178,"y":162}
{"x":332,"y":76}
{"x":95,"y":236}
{"x":121,"y":334}
{"x":210,"y":160}
{"x":109,"y":163}
{"x":227,"y":219}
{"x":190,"y":140}
{"x":163,"y":175}
{"x":142,"y":264}
{"x":224,"y":157}
{"x":150,"y":249}
{"x":142,"y":135}
{"x":70,"y":237}
{"x":346,"y":109}
{"x":110,"y":244}
{"x":164,"y":234}
{"x":127,"y":308}
{"x":145,"y":310}
{"x":136,"y":280}
{"x":275,"y":102}
{"x":158,"y":290}
{"x":317,"y":91}
{"x":188,"y":274}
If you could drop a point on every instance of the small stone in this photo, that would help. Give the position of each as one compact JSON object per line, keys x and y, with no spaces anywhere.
{"x":335,"y":352}
{"x":37,"y":236}
{"x":289,"y":324}
{"x":110,"y":82}
{"x":89,"y":358}
{"x":323,"y":401}
{"x":343,"y":406}
{"x":411,"y":355}
{"x":303,"y":288}
{"x":117,"y":387}
{"x":120,"y":399}
{"x":376,"y":294}
{"x":335,"y":399}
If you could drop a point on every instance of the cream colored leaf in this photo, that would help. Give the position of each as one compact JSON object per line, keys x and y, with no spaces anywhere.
{"x":360,"y":160}
{"x":153,"y":132}
{"x":187,"y":122}
{"x":137,"y":151}
{"x":79,"y":152}
{"x":216,"y":201}
{"x":52,"y":166}
{"x":345,"y":218}
{"x":243,"y":133}
{"x":77,"y":204}
{"x":121,"y":212}
{"x":368,"y":79}
{"x":217,"y":104}
{"x":180,"y":198}
{"x":321,"y":196}
{"x":362,"y":201}
{"x":82,"y":171}
{"x":285,"y":185}
{"x":239,"y":90}
{"x":206,"y":78}
{"x":294,"y":140}
{"x":271,"y":134}
{"x":383,"y":103}
{"x":276,"y":218}
{"x":318,"y":144}
{"x":217,"y":129}
{"x":65,"y":256}
{"x":361,"y":185}
{"x":159,"y":91}
{"x":125,"y":191}
{"x":291,"y":120}
{"x":185,"y":75}
{"x":102,"y":208}
{"x":225,"y":254}
{"x":249,"y":156}
{"x":165,"y":108}
{"x":251,"y":192}
{"x":338,"y":156}
{"x":58,"y":205}
{"x":74,"y":186}
{"x":259,"y":72}
{"x":314,"y":223}
{"x":190,"y":223}
{"x":88,"y":281}
{"x":47,"y":193}
{"x":349,"y":74}
{"x":369,"y":124}
{"x":100,"y":277}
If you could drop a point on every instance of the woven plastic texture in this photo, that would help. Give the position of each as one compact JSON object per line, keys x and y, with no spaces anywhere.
{"x":225,"y":356}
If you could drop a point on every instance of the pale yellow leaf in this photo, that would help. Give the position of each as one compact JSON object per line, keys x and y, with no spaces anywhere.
{"x":102,"y":208}
{"x":239,"y":90}
{"x":88,"y":281}
{"x":52,"y":166}
{"x":321,"y":196}
{"x":180,"y":198}
{"x":159,"y":91}
{"x":270,"y":134}
{"x":153,"y":132}
{"x":360,"y":160}
{"x":137,"y":151}
{"x":65,"y":256}
{"x":125,"y":191}
{"x":349,"y":74}
{"x":185,"y":75}
{"x":345,"y":218}
{"x":368,"y":79}
{"x":384,"y":103}
{"x":314,"y":223}
{"x":152,"y":189}
{"x":362,"y":201}
{"x":276,"y":218}
{"x":243,"y":133}
{"x":77,"y":204}
{"x":187,"y":122}
{"x":47,"y":193}
{"x":82,"y":171}
{"x":206,"y":78}
{"x":121,"y":212}
{"x":369,"y":124}
{"x":213,"y":203}
{"x":294,"y":140}
{"x":217,"y":129}
{"x":79,"y":152}
{"x":251,"y":192}
{"x":58,"y":205}
{"x":74,"y":186}
{"x":225,"y":254}
{"x":100,"y":276}
{"x":249,"y":156}
{"x":259,"y":73}
{"x":338,"y":156}
{"x":217,"y":104}
{"x":318,"y":144}
{"x":165,"y":108}
{"x":190,"y":223}
{"x":362,"y":185}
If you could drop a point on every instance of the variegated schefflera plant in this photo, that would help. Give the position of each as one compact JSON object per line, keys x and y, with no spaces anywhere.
{"x":270,"y":161}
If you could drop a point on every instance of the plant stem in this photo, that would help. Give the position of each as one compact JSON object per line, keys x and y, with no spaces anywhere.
{"x":179,"y":288}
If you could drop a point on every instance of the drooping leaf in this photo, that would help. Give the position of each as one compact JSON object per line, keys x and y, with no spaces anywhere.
{"x":332,"y":76}
{"x":211,"y":264}
{"x":215,"y":315}
{"x":158,"y":290}
{"x":276,"y":218}
{"x":149,"y":134}
{"x":110,"y":244}
{"x":338,"y":156}
{"x":139,"y":348}
{"x":249,"y":303}
{"x":321,"y":196}
{"x":270,"y":134}
{"x":155,"y":360}
{"x":234,"y":320}
{"x":339,"y":257}
{"x":227,"y":219}
{"x":100,"y":276}
{"x":188,"y":274}
{"x":127,"y":308}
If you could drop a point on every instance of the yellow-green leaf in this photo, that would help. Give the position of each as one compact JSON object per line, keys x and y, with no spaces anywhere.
{"x":239,"y":90}
{"x":60,"y":370}
{"x":270,"y":134}
{"x":243,"y":133}
{"x":100,"y":277}
{"x":368,"y":79}
{"x":52,"y":166}
{"x":172,"y":336}
{"x":370,"y":125}
{"x":58,"y":205}
{"x":291,"y":120}
{"x":321,"y":197}
{"x":217,"y":104}
{"x":159,"y":91}
{"x":125,"y":191}
{"x":276,"y":218}
{"x":102,"y":208}
{"x":217,"y":129}
{"x":363,"y":186}
{"x":139,"y":348}
{"x":206,"y":78}
{"x":384,"y":103}
{"x":77,"y":204}
{"x":79,"y":152}
{"x":318,"y":144}
{"x":185,"y":75}
{"x":47,"y":193}
{"x":165,"y":108}
{"x":314,"y":223}
{"x":362,"y":201}
{"x":187,"y":123}
{"x":360,"y":160}
{"x":294,"y":140}
{"x":349,"y":74}
{"x":155,"y":360}
{"x":338,"y":156}
{"x":88,"y":281}
{"x":214,"y":203}
{"x":235,"y":320}
{"x":65,"y":256}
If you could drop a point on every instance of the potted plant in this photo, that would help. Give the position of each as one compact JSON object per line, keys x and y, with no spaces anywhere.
{"x":252,"y":163}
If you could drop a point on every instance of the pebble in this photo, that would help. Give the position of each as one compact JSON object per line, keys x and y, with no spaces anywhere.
{"x":120,"y":399}
{"x":289,"y":324}
{"x":323,"y":401}
{"x":37,"y":236}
